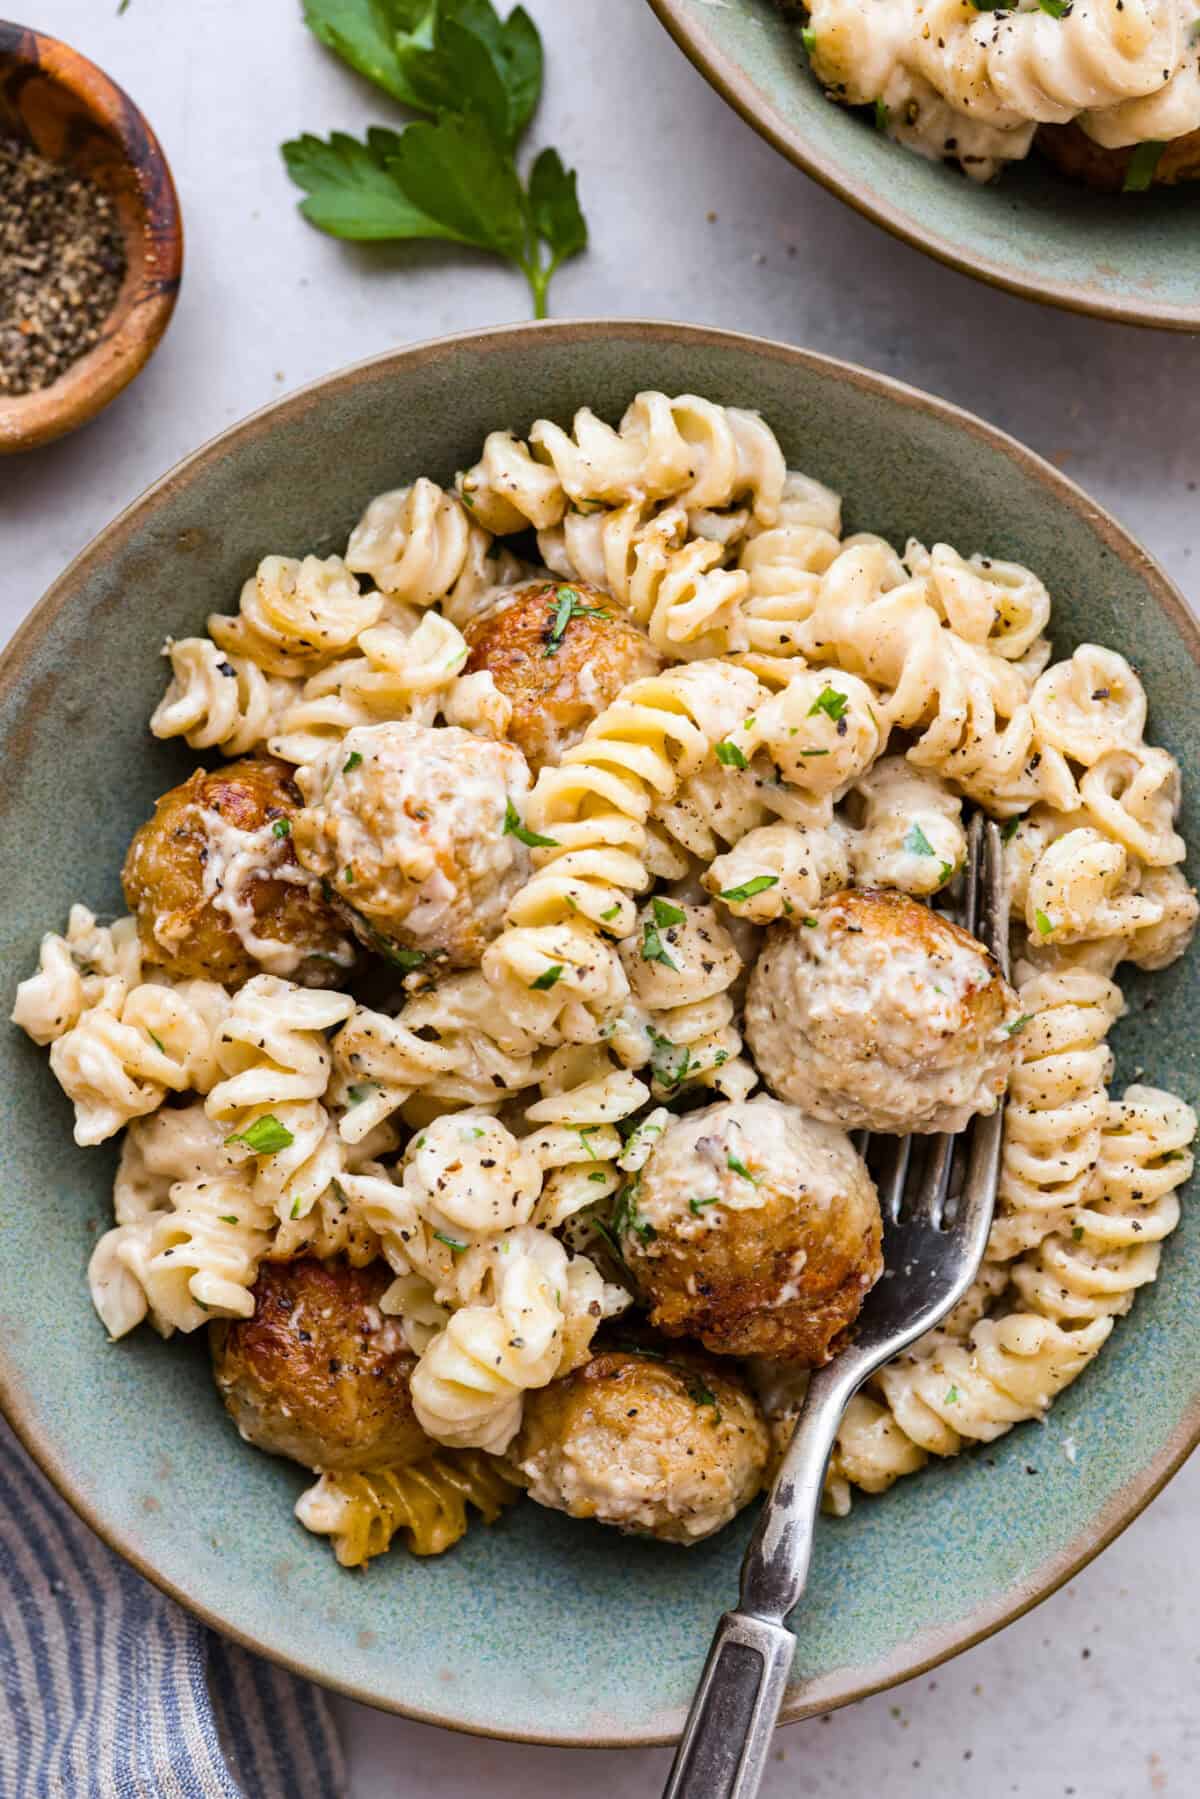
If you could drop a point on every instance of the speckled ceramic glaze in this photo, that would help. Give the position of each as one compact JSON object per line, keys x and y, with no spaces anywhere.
{"x":1134,"y":257}
{"x":540,"y":1628}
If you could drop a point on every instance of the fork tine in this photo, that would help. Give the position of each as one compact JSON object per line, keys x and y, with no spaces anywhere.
{"x":983,"y":912}
{"x":894,"y":1177}
{"x":928,"y":1202}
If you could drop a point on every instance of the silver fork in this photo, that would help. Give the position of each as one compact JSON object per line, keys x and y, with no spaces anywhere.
{"x":935,"y":1232}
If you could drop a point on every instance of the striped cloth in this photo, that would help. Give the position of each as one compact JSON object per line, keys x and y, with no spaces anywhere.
{"x":108,"y":1690}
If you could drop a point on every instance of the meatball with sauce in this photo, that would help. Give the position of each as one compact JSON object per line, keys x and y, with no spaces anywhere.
{"x":1080,"y":157}
{"x":755,"y":1230}
{"x":873,"y":1012}
{"x":214,"y":884}
{"x":662,"y":1446}
{"x":319,"y":1374}
{"x":413,"y":831}
{"x":559,"y":652}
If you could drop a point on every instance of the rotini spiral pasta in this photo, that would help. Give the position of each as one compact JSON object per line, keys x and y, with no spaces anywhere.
{"x":1057,"y":1104}
{"x":119,"y":1063}
{"x":674,"y":583}
{"x":469,"y":1385}
{"x":215,"y":701}
{"x":595,"y":804}
{"x":680,"y":1025}
{"x":910,"y":833}
{"x":400,"y":675}
{"x":420,"y":546}
{"x":686,"y":449}
{"x":575,"y":1136}
{"x":780,"y":871}
{"x":425,"y":1502}
{"x":276,"y":1066}
{"x":1071,"y":1287}
{"x":89,"y":965}
{"x":295,"y":616}
{"x":954,"y":83}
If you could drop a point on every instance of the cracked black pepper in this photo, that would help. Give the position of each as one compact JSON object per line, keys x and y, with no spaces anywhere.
{"x":62,"y":262}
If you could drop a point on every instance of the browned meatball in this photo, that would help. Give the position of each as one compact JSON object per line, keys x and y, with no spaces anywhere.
{"x":1075,"y":154}
{"x":559,"y":652}
{"x":668,"y":1447}
{"x":318,"y":1373}
{"x":876,"y":1013}
{"x":216,"y":889}
{"x":754,"y":1229}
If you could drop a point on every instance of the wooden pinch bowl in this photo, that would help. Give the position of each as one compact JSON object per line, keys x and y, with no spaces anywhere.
{"x":73,"y":113}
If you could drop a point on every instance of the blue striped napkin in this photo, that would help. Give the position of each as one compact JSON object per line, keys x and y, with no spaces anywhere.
{"x":109,"y":1690}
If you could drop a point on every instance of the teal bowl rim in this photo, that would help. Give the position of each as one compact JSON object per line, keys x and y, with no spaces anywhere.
{"x":934,"y":1645}
{"x":730,"y":80}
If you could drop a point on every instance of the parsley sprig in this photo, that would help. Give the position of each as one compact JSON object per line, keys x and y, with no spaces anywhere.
{"x":451,"y":174}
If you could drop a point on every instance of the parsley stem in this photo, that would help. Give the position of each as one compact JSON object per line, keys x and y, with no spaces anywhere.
{"x":539,"y":276}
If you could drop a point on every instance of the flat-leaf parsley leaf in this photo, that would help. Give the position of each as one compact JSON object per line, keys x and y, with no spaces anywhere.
{"x":451,"y":174}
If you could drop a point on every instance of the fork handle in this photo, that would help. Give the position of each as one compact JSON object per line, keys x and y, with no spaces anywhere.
{"x":724,"y":1748}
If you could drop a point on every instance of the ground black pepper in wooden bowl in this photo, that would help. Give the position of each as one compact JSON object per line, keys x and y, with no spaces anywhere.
{"x":62,"y":262}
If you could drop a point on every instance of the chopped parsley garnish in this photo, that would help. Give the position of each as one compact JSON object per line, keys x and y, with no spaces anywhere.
{"x":611,"y":913}
{"x":353,"y":760}
{"x":157,"y":1041}
{"x":360,"y":1090}
{"x":1077,"y":1232}
{"x":626,"y":1219}
{"x":452,"y":1243}
{"x":916,"y":842}
{"x":739,"y":1167}
{"x":729,"y":755}
{"x":952,"y":1396}
{"x":514,"y":828}
{"x":1175,"y":1155}
{"x":1018,"y":1024}
{"x":392,"y":952}
{"x":808,"y":38}
{"x":698,"y":1205}
{"x":669,"y":1061}
{"x":295,"y":1211}
{"x":700,"y":1394}
{"x":547,"y":978}
{"x":814,"y":752}
{"x":228,"y":1217}
{"x":748,"y":889}
{"x":1142,"y":166}
{"x":665,"y":913}
{"x":812,"y":923}
{"x":1044,"y":924}
{"x":568,"y":605}
{"x":653,"y":948}
{"x":348,"y":875}
{"x":400,"y":958}
{"x":282,"y":827}
{"x":882,"y":116}
{"x":829,"y":701}
{"x":598,"y":1175}
{"x":585,"y":1131}
{"x":265,"y":1137}
{"x":1058,"y":9}
{"x":1009,"y":829}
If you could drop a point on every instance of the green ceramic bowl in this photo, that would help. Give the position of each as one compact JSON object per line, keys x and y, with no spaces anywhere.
{"x":1135,"y":258}
{"x":542,"y":1628}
